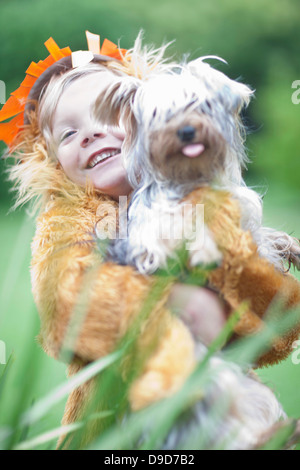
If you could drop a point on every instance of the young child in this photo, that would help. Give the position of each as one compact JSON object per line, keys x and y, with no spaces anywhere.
{"x":72,"y":168}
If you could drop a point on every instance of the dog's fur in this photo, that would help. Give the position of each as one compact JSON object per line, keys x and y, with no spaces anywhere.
{"x":203,"y":94}
{"x":166,"y":118}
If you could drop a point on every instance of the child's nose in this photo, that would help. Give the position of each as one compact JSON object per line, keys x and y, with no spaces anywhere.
{"x":91,"y":137}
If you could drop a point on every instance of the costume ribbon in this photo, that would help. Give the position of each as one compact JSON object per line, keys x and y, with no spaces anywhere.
{"x":14,"y":107}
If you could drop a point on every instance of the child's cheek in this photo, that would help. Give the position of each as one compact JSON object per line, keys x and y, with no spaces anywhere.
{"x":66,"y":156}
{"x":69,"y":161}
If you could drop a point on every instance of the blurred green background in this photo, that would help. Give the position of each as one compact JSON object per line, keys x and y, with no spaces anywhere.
{"x":260,"y":40}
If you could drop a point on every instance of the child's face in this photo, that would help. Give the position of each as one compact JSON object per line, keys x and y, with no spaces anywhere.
{"x":86,"y":149}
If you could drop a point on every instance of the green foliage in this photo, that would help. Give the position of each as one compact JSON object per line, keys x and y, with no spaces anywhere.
{"x":277,"y":148}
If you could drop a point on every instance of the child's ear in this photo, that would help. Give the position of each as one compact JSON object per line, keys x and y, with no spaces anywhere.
{"x":114,"y":105}
{"x":233,"y":95}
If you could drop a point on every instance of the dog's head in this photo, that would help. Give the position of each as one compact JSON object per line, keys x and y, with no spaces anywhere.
{"x":180,"y":127}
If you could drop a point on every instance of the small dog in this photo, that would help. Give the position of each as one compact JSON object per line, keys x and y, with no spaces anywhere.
{"x":199,"y":111}
{"x":184,"y":132}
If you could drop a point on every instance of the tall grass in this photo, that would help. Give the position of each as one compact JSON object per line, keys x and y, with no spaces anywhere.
{"x":25,"y":419}
{"x":143,"y":430}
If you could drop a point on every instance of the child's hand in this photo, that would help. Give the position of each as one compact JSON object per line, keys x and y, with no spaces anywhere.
{"x":200,"y":309}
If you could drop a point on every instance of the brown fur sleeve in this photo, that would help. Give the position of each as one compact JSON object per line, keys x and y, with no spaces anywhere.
{"x":64,"y":264}
{"x":68,"y":277}
{"x":245,"y":276}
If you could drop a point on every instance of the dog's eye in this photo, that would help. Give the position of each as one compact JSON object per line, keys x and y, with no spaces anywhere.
{"x":191,"y":104}
{"x":154,"y":113}
{"x":208,"y":105}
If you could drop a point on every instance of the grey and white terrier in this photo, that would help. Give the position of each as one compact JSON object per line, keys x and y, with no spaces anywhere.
{"x":184,"y":131}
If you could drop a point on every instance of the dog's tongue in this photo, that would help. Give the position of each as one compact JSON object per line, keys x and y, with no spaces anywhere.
{"x":193,"y":150}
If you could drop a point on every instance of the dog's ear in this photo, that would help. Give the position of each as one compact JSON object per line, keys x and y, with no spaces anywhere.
{"x":114,"y":105}
{"x":233,"y":95}
{"x":236,"y":95}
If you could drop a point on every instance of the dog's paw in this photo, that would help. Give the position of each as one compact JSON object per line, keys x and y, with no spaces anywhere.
{"x":294,"y":254}
{"x":286,"y":246}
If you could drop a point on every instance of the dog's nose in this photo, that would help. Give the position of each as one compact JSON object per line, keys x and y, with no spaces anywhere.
{"x":186,"y":133}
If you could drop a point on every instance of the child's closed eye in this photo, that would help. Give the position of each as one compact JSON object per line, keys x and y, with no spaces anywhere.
{"x":67,"y":134}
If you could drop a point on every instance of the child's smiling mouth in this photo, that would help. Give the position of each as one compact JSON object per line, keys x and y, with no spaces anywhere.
{"x":101,"y":155}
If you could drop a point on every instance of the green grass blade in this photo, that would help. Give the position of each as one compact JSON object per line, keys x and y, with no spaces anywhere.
{"x":47,"y":437}
{"x":280,"y":438}
{"x":17,"y":259}
{"x":43,"y":406}
{"x":164,"y":413}
{"x":246,"y":350}
{"x":4,"y":375}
